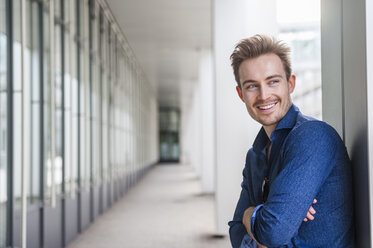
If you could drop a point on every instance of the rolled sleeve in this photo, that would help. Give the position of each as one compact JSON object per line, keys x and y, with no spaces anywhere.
{"x":252,"y":218}
{"x":237,"y":230}
{"x":248,"y":242}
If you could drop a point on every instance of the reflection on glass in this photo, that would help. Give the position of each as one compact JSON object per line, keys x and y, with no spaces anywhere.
{"x":302,"y":32}
{"x":105,"y":101}
{"x":107,"y":115}
{"x":95,"y":119}
{"x":46,"y":108}
{"x":109,"y":107}
{"x":58,"y":109}
{"x":17,"y":103}
{"x":3,"y":124}
{"x":35,"y":104}
{"x":71,"y":102}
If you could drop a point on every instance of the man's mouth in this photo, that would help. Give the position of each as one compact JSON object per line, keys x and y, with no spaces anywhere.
{"x":267,"y":106}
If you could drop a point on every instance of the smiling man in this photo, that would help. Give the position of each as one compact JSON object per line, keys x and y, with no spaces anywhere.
{"x":297,"y":186}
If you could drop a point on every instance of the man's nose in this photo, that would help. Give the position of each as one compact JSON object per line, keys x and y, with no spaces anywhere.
{"x":264,"y":92}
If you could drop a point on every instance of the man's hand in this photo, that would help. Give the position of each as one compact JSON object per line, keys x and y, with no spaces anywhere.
{"x":260,"y":246}
{"x":247,"y":216}
{"x":311,"y":212}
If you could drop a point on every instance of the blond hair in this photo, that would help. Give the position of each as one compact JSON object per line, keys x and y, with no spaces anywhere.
{"x":259,"y":45}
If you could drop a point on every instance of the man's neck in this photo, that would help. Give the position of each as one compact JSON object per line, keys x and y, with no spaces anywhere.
{"x":269,"y":130}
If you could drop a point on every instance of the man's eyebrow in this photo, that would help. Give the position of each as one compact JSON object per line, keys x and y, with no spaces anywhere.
{"x":273,"y":76}
{"x":248,"y":81}
{"x":267,"y":78}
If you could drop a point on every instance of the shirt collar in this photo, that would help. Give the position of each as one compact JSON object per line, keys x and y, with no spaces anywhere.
{"x":287,"y":122}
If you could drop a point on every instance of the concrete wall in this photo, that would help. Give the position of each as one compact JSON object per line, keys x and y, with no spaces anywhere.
{"x":206,"y":88}
{"x":198,"y":125}
{"x":369,"y":61}
{"x":235,"y":131}
{"x":346,"y":72}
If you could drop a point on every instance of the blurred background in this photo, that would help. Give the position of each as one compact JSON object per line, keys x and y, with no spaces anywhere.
{"x":119,"y":120}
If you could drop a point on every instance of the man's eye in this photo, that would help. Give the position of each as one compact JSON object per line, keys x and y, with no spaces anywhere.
{"x":274,"y":81}
{"x":251,"y":86}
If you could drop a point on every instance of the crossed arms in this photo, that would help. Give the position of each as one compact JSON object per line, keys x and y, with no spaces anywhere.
{"x":292,"y":193}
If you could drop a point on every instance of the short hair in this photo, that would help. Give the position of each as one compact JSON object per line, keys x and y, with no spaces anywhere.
{"x":259,"y":45}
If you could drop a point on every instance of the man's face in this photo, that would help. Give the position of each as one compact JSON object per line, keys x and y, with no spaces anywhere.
{"x":264,"y":89}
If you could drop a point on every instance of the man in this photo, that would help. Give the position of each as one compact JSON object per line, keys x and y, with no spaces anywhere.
{"x":297,"y":187}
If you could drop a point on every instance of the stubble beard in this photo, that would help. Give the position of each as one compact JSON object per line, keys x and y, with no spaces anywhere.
{"x":278,"y":114}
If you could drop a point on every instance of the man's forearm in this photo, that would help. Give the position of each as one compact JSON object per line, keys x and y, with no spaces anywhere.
{"x":246,"y":220}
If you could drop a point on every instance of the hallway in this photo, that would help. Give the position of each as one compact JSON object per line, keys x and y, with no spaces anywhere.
{"x":165,"y":209}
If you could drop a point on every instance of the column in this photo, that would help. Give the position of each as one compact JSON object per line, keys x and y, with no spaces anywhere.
{"x":346,"y":40}
{"x":235,"y":131}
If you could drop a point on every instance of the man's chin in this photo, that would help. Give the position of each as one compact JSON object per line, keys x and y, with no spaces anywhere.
{"x":268,"y":123}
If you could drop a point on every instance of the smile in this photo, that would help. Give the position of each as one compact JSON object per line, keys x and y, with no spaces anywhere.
{"x":266,"y":107}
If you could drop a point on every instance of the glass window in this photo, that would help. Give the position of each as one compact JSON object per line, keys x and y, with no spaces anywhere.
{"x":91,"y":88}
{"x":75,"y":150}
{"x":169,"y":134}
{"x":46,"y":107}
{"x":126,"y":113}
{"x":84,"y":97}
{"x":58,"y":108}
{"x":105,"y":100}
{"x":71,"y":101}
{"x":302,"y":32}
{"x":96,"y":123}
{"x":3,"y":124}
{"x":33,"y":85}
{"x":57,"y":8}
{"x":17,"y":102}
{"x":67,"y":111}
{"x":95,"y":73}
{"x":110,"y":101}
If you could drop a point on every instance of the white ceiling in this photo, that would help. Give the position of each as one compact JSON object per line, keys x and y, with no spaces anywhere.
{"x":167,"y":37}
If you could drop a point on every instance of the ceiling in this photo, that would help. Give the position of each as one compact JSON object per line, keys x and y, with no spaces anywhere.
{"x":167,"y":37}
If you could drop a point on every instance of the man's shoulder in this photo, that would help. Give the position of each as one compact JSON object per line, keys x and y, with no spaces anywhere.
{"x":307,"y":123}
{"x":311,"y":136}
{"x":308,"y":128}
{"x":250,"y":153}
{"x":252,"y":156}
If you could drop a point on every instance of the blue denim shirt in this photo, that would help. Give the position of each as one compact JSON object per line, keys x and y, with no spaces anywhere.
{"x":308,"y":160}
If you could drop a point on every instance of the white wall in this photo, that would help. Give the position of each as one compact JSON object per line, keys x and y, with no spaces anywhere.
{"x":198,"y":125}
{"x":206,"y":88}
{"x":196,"y":134}
{"x":235,"y":130}
{"x":189,"y":139}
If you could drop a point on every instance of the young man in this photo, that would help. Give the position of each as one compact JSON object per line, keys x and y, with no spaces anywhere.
{"x":297,"y":187}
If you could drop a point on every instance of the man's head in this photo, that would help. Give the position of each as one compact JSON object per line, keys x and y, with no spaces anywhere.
{"x":263,"y":73}
{"x":258,"y":45}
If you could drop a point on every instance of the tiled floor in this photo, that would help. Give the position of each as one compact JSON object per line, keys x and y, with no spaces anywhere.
{"x":164,"y":210}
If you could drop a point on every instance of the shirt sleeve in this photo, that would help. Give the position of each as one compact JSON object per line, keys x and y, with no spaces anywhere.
{"x":253,"y":216}
{"x":248,"y":242}
{"x":308,"y":158}
{"x":237,"y":230}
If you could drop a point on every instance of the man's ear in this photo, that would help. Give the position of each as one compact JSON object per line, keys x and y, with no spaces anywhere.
{"x":291,"y":83}
{"x":239,"y":91}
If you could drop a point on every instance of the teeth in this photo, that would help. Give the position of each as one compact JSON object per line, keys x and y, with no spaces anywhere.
{"x":267,"y":107}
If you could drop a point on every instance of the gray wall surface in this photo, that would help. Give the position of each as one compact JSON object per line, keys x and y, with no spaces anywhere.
{"x":345,"y":99}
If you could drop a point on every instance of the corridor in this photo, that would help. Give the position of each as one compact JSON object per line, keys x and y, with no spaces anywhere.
{"x":165,"y":209}
{"x":120,"y":123}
